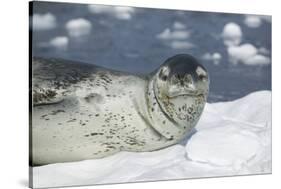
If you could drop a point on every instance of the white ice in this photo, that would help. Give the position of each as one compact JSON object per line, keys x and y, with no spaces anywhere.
{"x":252,"y":21}
{"x":179,"y":26}
{"x":78,"y":27}
{"x":255,"y":21}
{"x":59,"y":42}
{"x":238,"y":52}
{"x":247,"y":54}
{"x":119,"y":12}
{"x":231,"y":138}
{"x":43,"y":21}
{"x":176,"y":36}
{"x":214,"y":57}
{"x":232,"y":34}
{"x":181,"y":45}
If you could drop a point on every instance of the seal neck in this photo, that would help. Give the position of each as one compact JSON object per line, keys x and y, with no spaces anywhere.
{"x":159,"y":119}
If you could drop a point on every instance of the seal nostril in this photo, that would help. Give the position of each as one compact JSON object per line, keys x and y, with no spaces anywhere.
{"x":164,"y":78}
{"x":182,"y":82}
{"x":202,"y":77}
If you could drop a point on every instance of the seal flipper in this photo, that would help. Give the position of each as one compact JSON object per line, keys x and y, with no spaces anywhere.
{"x":45,"y":97}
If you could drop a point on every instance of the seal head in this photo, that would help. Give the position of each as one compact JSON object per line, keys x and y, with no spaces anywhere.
{"x":180,"y":87}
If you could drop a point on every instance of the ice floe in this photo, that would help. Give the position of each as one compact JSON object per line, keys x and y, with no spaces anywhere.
{"x":247,"y":54}
{"x":176,"y":36}
{"x":214,"y":57}
{"x":119,"y":12}
{"x":232,"y":34}
{"x":43,"y":21}
{"x":59,"y":42}
{"x":231,"y":138}
{"x":252,"y":21}
{"x":78,"y":27}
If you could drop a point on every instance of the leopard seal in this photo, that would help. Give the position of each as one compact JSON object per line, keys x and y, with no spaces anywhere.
{"x":81,"y":111}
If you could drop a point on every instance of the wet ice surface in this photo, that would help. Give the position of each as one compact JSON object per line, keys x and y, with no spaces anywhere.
{"x":231,"y":138}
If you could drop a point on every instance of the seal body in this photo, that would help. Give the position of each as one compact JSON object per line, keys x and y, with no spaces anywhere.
{"x":82,"y":111}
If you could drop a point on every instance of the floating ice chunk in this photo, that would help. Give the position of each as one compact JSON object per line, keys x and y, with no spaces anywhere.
{"x":232,"y":34}
{"x":215,"y":57}
{"x":119,"y":12}
{"x":43,"y":21}
{"x":263,"y":50}
{"x":179,"y":26}
{"x":124,"y":13}
{"x":181,"y":45}
{"x":78,"y":27}
{"x":247,"y":54}
{"x":258,"y":59}
{"x":167,"y":34}
{"x":252,"y":21}
{"x":241,"y":53}
{"x":97,"y":9}
{"x":60,"y":42}
{"x":207,"y":56}
{"x":265,"y":18}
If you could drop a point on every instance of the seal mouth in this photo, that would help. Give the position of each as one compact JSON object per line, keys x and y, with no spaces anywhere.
{"x":201,"y":94}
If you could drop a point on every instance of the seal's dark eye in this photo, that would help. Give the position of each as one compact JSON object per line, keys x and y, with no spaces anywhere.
{"x":164,"y":77}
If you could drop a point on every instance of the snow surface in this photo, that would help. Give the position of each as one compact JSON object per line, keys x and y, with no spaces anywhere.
{"x":231,"y":138}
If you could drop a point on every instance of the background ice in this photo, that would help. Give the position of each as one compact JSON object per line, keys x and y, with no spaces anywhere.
{"x":232,"y":34}
{"x":119,"y":12}
{"x":59,"y":42}
{"x":247,"y":54}
{"x":78,"y":27}
{"x":231,"y":138}
{"x":253,"y":21}
{"x":45,"y":21}
{"x":139,"y":40}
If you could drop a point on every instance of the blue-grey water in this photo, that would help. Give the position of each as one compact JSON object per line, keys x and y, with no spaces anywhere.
{"x":131,"y":45}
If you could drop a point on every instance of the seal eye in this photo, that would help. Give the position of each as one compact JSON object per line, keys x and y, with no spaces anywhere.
{"x":163,"y":74}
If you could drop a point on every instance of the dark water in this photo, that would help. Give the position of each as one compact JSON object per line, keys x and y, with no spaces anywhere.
{"x":131,"y":45}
